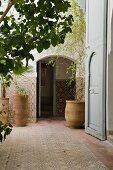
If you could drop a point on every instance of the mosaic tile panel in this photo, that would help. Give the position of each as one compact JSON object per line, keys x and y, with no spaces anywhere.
{"x":63,"y":93}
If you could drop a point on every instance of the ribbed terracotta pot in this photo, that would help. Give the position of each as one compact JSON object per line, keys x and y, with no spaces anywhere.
{"x":20,"y":110}
{"x":75,"y":113}
{"x":4,"y":110}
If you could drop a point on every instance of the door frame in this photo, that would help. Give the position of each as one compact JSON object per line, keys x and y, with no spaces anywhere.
{"x":38,"y":94}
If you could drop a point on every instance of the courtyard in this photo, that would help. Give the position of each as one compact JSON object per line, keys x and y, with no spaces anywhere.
{"x":56,"y":38}
{"x":50,"y":145}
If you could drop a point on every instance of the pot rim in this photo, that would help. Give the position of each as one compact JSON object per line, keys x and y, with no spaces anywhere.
{"x":4,"y":98}
{"x":21,"y":95}
{"x":74,"y":101}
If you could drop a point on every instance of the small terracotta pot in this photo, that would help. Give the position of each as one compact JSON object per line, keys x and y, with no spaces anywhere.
{"x":75,"y":113}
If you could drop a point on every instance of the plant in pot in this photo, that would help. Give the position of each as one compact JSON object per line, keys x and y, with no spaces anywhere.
{"x":75,"y":107}
{"x":5,"y":126}
{"x":5,"y":130}
{"x":74,"y":46}
{"x":20,"y":99}
{"x":75,"y":113}
{"x":5,"y":81}
{"x":20,"y":106}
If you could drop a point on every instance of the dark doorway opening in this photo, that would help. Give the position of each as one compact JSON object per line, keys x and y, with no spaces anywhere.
{"x":45,"y":78}
{"x":46,"y":90}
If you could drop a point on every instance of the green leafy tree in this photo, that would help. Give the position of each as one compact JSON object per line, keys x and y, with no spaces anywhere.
{"x":33,"y":24}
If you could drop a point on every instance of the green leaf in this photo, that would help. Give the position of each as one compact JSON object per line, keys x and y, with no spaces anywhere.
{"x":1,"y":137}
{"x":54,"y":40}
{"x":46,"y":44}
{"x":2,"y":61}
{"x":2,"y":52}
{"x":10,"y":125}
{"x":40,"y":47}
{"x":68,"y":29}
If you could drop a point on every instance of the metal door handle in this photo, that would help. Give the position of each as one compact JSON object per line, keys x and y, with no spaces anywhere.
{"x":91,"y":90}
{"x":88,"y":47}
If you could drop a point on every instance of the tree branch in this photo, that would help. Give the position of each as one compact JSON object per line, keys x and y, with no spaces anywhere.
{"x":10,"y":4}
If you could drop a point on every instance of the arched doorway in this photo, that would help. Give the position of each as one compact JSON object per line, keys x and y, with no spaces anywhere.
{"x":52,"y":87}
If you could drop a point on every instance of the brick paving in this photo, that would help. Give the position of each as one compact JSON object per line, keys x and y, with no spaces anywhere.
{"x":50,"y":145}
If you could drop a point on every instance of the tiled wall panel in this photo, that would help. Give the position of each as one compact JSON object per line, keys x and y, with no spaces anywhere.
{"x":63,"y":93}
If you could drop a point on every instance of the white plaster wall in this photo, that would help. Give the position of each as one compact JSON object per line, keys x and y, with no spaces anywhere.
{"x":60,"y":50}
{"x":82,"y":4}
{"x":109,"y":82}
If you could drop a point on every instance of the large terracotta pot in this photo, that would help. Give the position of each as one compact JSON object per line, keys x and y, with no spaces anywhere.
{"x":20,"y":110}
{"x":4,"y":110}
{"x":75,"y":113}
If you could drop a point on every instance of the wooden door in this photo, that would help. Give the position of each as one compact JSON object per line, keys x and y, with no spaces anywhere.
{"x":95,"y":67}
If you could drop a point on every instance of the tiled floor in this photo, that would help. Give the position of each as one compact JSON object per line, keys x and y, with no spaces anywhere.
{"x":51,"y":145}
{"x":103,"y":150}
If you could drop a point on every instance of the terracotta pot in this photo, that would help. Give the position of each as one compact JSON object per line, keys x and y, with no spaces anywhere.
{"x":75,"y":113}
{"x":4,"y":110}
{"x":20,"y":110}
